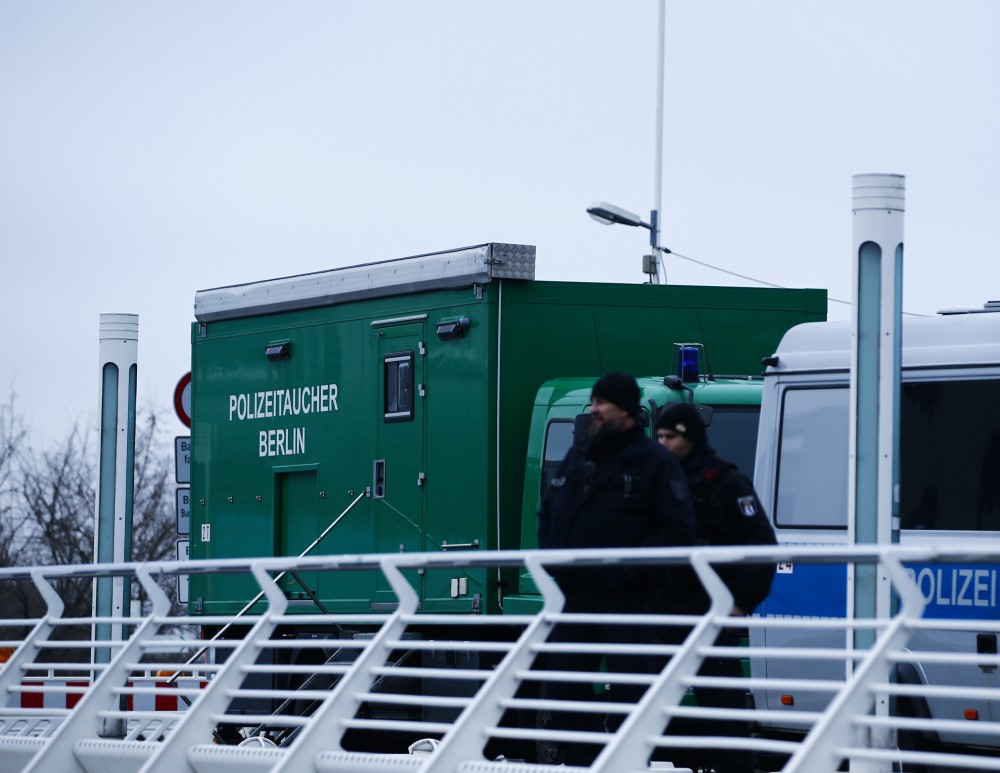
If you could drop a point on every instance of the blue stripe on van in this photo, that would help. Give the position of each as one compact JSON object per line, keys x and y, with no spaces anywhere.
{"x":952,"y":591}
{"x":958,"y":591}
{"x":812,"y":590}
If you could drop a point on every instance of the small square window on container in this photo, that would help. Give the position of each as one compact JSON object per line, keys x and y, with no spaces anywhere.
{"x":397,"y":390}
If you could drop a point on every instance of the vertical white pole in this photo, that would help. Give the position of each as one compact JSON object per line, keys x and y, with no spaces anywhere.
{"x":657,"y":215}
{"x":119,"y":349}
{"x":879,"y":206}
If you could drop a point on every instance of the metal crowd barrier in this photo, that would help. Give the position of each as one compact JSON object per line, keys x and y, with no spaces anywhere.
{"x":289,"y":689}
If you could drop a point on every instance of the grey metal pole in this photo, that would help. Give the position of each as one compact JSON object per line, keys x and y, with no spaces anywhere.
{"x":873,"y":499}
{"x":119,"y":349}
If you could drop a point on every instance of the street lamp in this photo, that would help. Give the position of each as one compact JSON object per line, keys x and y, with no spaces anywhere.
{"x":609,"y":214}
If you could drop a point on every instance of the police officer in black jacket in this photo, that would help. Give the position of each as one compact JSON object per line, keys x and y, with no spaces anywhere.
{"x":728,"y":512}
{"x":616,"y":488}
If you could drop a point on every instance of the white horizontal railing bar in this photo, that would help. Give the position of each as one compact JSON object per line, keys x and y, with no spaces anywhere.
{"x":980,"y":727}
{"x":185,"y":691}
{"x":965,"y":553}
{"x":354,"y":618}
{"x":432,"y":728}
{"x":49,"y":667}
{"x":583,"y":707}
{"x":598,"y":677}
{"x":141,"y":668}
{"x":46,"y":689}
{"x":182,"y":620}
{"x":508,"y":621}
{"x":585,"y":648}
{"x":807,"y":653}
{"x":339,"y":668}
{"x":463,"y":674}
{"x":164,"y":715}
{"x":762,"y":715}
{"x":765,"y":683}
{"x":302,"y":694}
{"x":313,"y":644}
{"x":70,"y":644}
{"x":799,"y":623}
{"x":935,"y":624}
{"x":954,"y":658}
{"x":401,"y":699}
{"x":923,"y":758}
{"x":771,"y":745}
{"x":259,"y":719}
{"x":933,"y":691}
{"x":431,"y":645}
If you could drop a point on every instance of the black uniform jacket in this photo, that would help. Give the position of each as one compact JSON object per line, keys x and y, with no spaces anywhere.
{"x":625,"y":490}
{"x":729,"y":513}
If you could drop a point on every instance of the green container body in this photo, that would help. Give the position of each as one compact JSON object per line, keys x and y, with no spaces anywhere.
{"x":281,"y":446}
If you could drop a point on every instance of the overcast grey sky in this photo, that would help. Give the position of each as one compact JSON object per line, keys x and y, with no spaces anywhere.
{"x":148,"y":150}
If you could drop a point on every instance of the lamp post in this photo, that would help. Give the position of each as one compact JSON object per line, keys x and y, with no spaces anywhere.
{"x":607,"y":214}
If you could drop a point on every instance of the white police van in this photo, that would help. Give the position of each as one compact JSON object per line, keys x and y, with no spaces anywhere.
{"x":949,"y":490}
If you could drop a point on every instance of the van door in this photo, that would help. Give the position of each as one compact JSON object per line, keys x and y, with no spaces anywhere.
{"x":398,"y":466}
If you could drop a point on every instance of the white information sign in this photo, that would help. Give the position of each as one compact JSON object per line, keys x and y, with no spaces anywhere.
{"x":183,"y":511}
{"x":183,"y":554}
{"x":182,"y":458}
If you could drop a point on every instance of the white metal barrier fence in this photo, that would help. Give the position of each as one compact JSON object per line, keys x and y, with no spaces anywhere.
{"x":288,"y":689}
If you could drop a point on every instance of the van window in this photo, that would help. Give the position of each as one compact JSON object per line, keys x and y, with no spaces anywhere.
{"x":558,"y":440}
{"x":811,"y":485}
{"x":734,"y":434}
{"x":398,"y":386}
{"x":950,"y":455}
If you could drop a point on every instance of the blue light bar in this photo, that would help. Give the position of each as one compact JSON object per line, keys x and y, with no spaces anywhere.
{"x":687,"y":364}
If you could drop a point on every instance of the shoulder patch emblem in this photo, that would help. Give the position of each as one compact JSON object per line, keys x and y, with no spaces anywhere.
{"x":747,"y":505}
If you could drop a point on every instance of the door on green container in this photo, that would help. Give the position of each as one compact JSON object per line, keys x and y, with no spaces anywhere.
{"x":296,"y":523}
{"x":398,"y":466}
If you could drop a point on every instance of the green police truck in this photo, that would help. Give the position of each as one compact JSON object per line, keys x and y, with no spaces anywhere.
{"x":431,"y":383}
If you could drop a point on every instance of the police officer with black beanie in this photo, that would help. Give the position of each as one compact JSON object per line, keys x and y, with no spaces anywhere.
{"x":727,"y":512}
{"x":616,"y":488}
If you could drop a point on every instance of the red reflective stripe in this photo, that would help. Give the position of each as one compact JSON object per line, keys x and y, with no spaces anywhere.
{"x":72,"y":698}
{"x":32,"y":700}
{"x":131,"y":699}
{"x":165,"y":702}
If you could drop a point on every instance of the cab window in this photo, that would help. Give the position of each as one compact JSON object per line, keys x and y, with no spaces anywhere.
{"x":811,"y":486}
{"x":733,"y":434}
{"x":558,"y":440}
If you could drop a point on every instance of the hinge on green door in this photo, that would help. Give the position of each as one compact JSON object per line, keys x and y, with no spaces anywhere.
{"x":421,"y":477}
{"x":421,"y":391}
{"x":422,"y":348}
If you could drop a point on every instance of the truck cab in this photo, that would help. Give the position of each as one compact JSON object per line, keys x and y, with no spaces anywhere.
{"x":561,"y":414}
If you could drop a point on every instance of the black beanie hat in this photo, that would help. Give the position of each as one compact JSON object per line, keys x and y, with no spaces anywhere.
{"x":620,"y":389}
{"x":684,"y":419}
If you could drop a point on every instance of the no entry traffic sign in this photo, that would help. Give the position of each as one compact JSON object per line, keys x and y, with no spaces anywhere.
{"x":182,"y":399}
